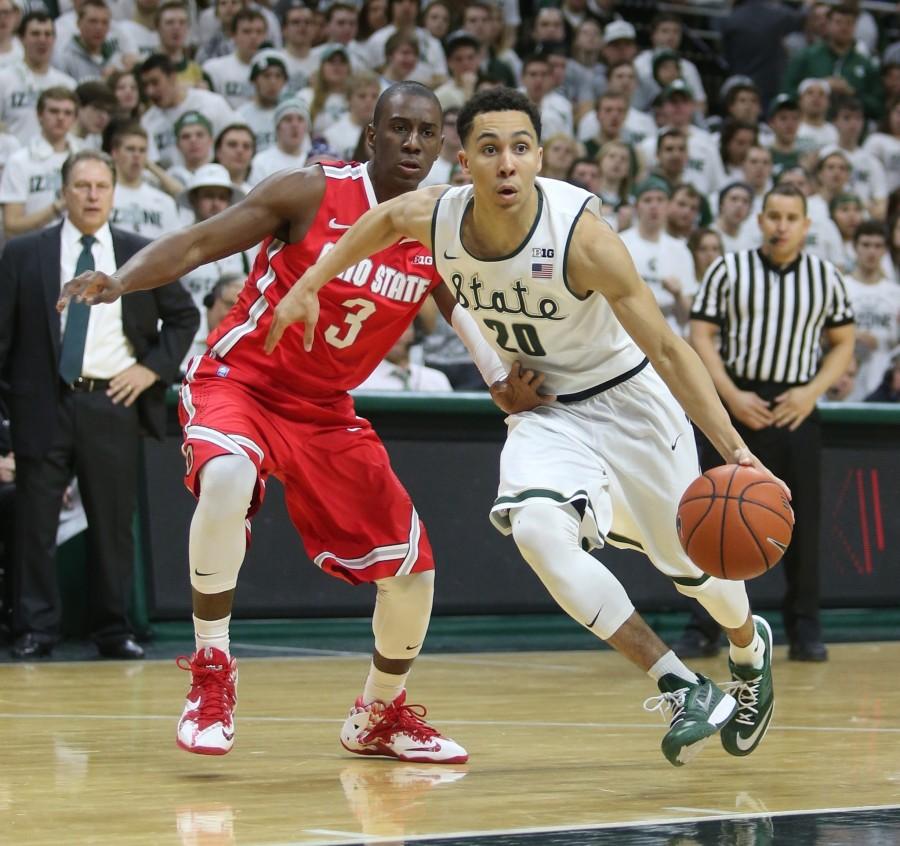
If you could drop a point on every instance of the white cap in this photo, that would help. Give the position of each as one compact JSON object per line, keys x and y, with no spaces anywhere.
{"x":619,"y":30}
{"x":210,"y":176}
{"x":811,"y":82}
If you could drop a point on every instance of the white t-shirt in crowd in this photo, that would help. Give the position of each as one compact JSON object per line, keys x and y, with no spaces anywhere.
{"x":160,"y":123}
{"x":230,"y":78}
{"x":20,"y":88}
{"x":33,"y":174}
{"x":261,"y":121}
{"x":667,"y":256}
{"x":876,"y":309}
{"x":343,"y":136}
{"x":811,"y":137}
{"x":868,"y":179}
{"x":273,"y":160}
{"x":145,"y":210}
{"x":886,"y":148}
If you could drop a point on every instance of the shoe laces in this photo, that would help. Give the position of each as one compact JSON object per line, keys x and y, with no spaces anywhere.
{"x":671,"y":702}
{"x":400,"y":718}
{"x":213,"y":687}
{"x":747,"y":694}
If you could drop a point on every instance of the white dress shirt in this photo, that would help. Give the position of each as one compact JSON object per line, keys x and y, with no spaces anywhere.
{"x":107,"y":351}
{"x":415,"y":377}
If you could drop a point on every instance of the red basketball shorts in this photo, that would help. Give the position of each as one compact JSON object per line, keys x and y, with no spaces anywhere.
{"x":356,"y":520}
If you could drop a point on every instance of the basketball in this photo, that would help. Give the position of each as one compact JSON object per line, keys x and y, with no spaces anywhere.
{"x":734,"y":522}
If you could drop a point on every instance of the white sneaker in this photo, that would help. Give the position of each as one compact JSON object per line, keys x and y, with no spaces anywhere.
{"x":206,"y":726}
{"x":398,"y":731}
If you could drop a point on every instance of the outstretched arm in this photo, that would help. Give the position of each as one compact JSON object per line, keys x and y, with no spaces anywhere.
{"x":596,"y":246}
{"x":406,"y":216}
{"x":281,"y":204}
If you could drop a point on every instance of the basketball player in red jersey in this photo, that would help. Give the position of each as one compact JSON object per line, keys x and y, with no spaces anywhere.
{"x":247,"y":415}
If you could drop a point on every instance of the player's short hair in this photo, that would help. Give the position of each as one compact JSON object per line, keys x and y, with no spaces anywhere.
{"x":121,"y":131}
{"x":407,"y":88}
{"x":496,"y":100}
{"x":37,"y":15}
{"x":57,"y":92}
{"x":246,"y":15}
{"x":870,"y":228}
{"x":785,"y":189}
{"x":97,"y":4}
{"x":86,"y":156}
{"x":157,"y":61}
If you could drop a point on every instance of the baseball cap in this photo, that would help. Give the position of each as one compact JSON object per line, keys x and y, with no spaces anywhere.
{"x":675,"y":87}
{"x":291,"y":106}
{"x":652,"y":184}
{"x":331,"y":50}
{"x":782,"y":101}
{"x":264,"y":60}
{"x":619,"y":31}
{"x":209,"y":176}
{"x":664,"y":55}
{"x":192,"y":119}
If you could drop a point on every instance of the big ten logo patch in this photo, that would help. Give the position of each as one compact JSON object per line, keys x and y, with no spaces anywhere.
{"x":425,"y":260}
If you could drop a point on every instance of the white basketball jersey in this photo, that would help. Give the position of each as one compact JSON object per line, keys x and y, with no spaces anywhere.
{"x":522,"y":302}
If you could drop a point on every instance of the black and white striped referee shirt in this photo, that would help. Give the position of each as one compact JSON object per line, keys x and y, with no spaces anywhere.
{"x":771,"y":319}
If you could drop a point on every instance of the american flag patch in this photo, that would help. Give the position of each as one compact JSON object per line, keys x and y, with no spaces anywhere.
{"x":541,"y":270}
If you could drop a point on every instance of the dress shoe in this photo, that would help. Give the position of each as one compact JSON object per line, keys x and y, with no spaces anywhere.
{"x":695,"y":644}
{"x":125,"y":647}
{"x":808,"y":650}
{"x":32,"y":645}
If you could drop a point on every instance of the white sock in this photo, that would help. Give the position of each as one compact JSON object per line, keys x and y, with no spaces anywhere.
{"x":212,"y":633}
{"x":671,"y":663}
{"x":752,"y":655}
{"x":385,"y":687}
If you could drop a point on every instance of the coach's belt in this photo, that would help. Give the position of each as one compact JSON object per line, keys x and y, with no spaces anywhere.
{"x":84,"y":385}
{"x":605,"y":386}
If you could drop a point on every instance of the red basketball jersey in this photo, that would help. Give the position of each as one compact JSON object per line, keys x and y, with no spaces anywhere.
{"x":362,"y":312}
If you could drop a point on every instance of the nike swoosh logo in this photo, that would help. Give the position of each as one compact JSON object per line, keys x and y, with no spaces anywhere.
{"x":228,"y":735}
{"x":596,"y":616}
{"x":675,"y":442}
{"x":744,"y":743}
{"x":198,"y":573}
{"x":355,"y":429}
{"x":779,"y":544}
{"x":435,"y":748}
{"x":414,"y":647}
{"x":333,"y":224}
{"x":450,"y":258}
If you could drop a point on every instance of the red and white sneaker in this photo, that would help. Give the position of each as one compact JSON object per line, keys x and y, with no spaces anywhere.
{"x":206,"y":726}
{"x":398,"y":731}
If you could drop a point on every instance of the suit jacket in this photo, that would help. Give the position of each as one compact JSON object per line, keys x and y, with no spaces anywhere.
{"x":159,"y":324}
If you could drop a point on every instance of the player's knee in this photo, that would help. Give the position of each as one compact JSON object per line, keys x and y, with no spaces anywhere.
{"x":402,"y":614}
{"x":227,"y":483}
{"x":726,"y":601}
{"x":542,"y":532}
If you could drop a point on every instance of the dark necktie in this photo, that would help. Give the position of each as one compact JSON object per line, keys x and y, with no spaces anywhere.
{"x":72,"y":353}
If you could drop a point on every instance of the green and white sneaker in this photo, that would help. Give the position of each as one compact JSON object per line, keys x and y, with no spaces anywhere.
{"x":698,"y":710}
{"x":755,"y":697}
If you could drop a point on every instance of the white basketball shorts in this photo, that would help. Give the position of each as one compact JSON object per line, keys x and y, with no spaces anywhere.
{"x":626,"y":455}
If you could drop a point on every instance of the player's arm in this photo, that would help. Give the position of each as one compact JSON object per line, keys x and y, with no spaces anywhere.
{"x":276,"y":206}
{"x":596,"y":246}
{"x":406,"y":216}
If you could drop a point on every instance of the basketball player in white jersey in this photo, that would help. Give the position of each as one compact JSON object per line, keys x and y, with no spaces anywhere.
{"x":552,"y":286}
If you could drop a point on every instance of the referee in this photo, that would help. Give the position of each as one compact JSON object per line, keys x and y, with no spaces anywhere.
{"x":758,"y":322}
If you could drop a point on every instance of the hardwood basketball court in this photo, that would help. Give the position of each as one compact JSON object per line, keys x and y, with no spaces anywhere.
{"x":561,"y":752}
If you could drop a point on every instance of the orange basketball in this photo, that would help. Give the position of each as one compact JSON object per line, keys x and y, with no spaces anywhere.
{"x":734,"y":522}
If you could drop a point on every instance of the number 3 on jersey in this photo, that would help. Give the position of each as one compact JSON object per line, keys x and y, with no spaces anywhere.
{"x":353,"y":322}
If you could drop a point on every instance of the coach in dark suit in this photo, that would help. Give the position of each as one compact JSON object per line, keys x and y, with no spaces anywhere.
{"x":81,"y":388}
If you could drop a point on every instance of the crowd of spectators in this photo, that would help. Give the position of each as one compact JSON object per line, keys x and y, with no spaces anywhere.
{"x":680,"y":124}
